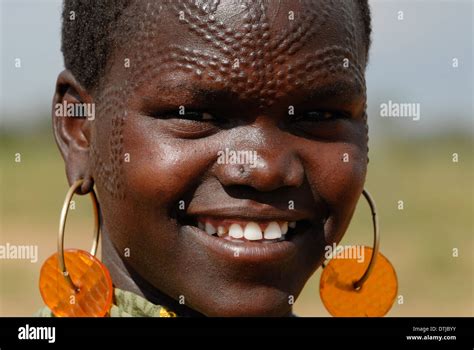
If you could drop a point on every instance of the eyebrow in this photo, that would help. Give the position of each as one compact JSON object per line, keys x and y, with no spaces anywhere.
{"x":197,"y":91}
{"x":346,"y":90}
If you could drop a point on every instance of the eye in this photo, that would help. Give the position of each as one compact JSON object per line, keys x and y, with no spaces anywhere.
{"x":319,"y":116}
{"x":192,"y":115}
{"x":189,"y":123}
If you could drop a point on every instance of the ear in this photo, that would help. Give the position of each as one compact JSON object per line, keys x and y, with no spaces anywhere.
{"x":73,"y":132}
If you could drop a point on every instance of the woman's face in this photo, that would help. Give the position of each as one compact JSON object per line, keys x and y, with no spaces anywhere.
{"x":231,"y":115}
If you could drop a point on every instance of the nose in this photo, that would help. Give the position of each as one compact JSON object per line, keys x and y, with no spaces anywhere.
{"x":265,"y":165}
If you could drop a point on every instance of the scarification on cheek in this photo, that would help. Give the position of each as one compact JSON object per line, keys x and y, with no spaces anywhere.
{"x":267,"y":67}
{"x":108,"y":170}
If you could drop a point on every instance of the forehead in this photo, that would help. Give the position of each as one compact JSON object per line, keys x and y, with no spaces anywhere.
{"x":256,"y":49}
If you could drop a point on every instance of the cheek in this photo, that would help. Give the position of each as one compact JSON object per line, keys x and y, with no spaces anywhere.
{"x":336,"y":173}
{"x":342,"y":169}
{"x":162,"y":169}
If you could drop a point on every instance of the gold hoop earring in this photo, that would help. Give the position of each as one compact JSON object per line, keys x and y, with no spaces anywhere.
{"x":74,"y":283}
{"x":350,"y":287}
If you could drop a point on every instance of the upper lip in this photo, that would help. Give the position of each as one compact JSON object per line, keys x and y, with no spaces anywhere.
{"x":253,"y":213}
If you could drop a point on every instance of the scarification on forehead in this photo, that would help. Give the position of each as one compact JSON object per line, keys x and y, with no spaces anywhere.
{"x":267,"y":68}
{"x":250,"y":59}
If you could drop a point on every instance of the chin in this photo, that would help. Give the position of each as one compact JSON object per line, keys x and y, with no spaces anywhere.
{"x":258,"y":302}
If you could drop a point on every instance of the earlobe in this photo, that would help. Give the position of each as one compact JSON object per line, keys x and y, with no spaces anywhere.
{"x":72,"y":126}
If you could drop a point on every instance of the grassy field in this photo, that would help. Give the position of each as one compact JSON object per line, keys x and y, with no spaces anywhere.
{"x":419,"y":240}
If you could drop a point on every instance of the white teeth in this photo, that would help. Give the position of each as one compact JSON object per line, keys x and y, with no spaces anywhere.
{"x":272,"y":231}
{"x":210,"y":229}
{"x":235,"y":231}
{"x":220,"y":231}
{"x":284,"y":228}
{"x":253,"y":232}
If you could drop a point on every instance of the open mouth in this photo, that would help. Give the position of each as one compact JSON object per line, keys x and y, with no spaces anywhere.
{"x":244,"y":230}
{"x":246,"y":235}
{"x":249,"y":233}
{"x":240,"y":230}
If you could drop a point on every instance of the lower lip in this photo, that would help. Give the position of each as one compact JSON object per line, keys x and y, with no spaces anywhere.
{"x":247,"y":252}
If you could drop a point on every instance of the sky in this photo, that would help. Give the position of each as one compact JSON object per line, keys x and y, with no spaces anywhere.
{"x":411,"y":61}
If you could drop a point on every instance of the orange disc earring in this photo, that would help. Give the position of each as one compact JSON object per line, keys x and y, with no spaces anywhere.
{"x":74,"y":283}
{"x":351,"y":288}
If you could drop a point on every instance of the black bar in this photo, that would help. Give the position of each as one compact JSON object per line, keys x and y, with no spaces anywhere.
{"x":381,"y":331}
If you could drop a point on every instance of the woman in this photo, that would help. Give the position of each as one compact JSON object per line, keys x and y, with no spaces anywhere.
{"x":228,"y":146}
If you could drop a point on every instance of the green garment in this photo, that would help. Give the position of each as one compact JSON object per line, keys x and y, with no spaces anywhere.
{"x":126,"y":304}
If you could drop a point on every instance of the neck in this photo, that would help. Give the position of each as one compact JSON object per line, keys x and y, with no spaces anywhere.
{"x":124,"y":277}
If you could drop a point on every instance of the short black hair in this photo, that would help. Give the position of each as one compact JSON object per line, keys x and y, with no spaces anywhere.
{"x":88,"y":39}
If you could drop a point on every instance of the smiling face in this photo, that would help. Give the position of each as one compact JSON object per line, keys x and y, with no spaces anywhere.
{"x":239,"y":120}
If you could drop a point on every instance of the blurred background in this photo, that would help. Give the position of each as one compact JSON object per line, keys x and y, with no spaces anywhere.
{"x":411,"y":61}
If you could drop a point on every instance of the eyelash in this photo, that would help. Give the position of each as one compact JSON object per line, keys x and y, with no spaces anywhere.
{"x":321,"y":116}
{"x":197,"y":116}
{"x":311,"y":116}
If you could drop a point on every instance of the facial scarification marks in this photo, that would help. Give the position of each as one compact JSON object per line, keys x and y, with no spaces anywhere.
{"x":252,"y":60}
{"x":320,"y":65}
{"x":245,"y":51}
{"x":307,"y":24}
{"x":351,"y":37}
{"x":109,"y":174}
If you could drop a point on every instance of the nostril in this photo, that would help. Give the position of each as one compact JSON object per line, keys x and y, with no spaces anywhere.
{"x":267,"y":173}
